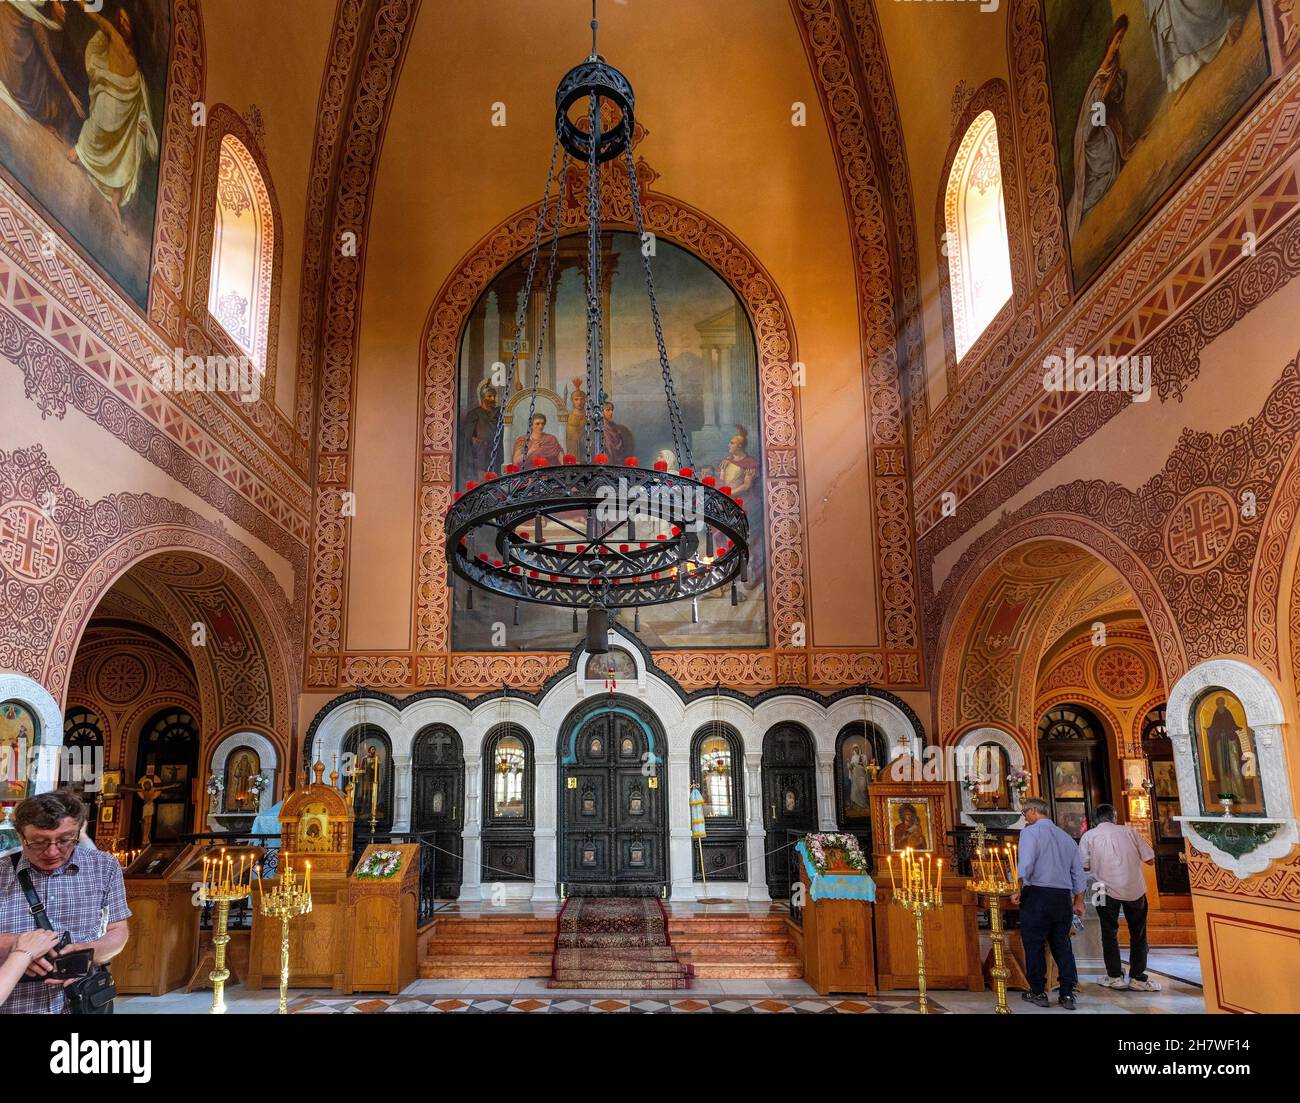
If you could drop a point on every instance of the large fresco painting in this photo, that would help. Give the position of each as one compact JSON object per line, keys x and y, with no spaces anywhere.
{"x":1140,"y":90}
{"x":710,"y":346}
{"x":82,"y":95}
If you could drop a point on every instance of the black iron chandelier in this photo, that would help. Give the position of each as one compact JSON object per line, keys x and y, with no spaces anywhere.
{"x":588,"y":533}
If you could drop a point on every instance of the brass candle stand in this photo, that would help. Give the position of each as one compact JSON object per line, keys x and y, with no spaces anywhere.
{"x":289,"y":897}
{"x":994,"y":876}
{"x":921,"y":892}
{"x":223,"y":884}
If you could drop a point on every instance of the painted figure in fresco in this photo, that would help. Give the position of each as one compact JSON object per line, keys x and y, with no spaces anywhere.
{"x":1101,"y":140}
{"x":738,"y":469}
{"x":619,"y":442}
{"x":1227,"y":754}
{"x":118,"y":138}
{"x":1188,"y":34}
{"x":478,"y":426}
{"x":909,"y":830}
{"x":31,"y":80}
{"x":575,"y":423}
{"x":537,"y":443}
{"x":857,"y":771}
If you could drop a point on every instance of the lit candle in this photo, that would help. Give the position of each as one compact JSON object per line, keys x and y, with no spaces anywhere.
{"x":889,"y":861}
{"x":938,"y":883}
{"x":307,"y":885}
{"x":257,"y":872}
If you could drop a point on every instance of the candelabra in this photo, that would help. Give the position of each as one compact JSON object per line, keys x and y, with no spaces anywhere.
{"x":288,"y":897}
{"x":921,"y":892}
{"x":995,"y":877}
{"x":223,"y":884}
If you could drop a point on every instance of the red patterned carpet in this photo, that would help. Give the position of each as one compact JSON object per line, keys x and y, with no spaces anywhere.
{"x":615,"y":942}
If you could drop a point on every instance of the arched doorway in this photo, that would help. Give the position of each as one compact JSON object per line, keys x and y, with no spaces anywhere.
{"x":1072,"y":758}
{"x":613,"y":804}
{"x":372,"y":762}
{"x":789,"y":800}
{"x":857,"y":746}
{"x":167,"y":759}
{"x":438,"y":800}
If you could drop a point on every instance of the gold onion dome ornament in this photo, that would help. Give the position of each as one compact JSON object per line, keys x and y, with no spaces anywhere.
{"x":587,"y":533}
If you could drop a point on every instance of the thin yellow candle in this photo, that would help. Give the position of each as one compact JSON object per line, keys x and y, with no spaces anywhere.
{"x":938,"y":883}
{"x":889,"y":861}
{"x":257,"y":872}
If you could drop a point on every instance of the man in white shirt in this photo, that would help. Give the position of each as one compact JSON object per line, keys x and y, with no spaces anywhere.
{"x":1114,"y":855}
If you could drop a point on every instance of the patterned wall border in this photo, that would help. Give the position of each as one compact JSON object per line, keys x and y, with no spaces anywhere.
{"x":359,"y":151}
{"x":846,"y":104}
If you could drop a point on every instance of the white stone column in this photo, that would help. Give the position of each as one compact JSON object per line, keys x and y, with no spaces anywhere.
{"x":757,"y":859}
{"x":401,"y":792}
{"x":680,"y":843}
{"x":471,"y":880}
{"x":546,"y":817}
{"x":826,"y":791}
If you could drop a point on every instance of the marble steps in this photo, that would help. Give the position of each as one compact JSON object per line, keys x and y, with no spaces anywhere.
{"x":501,"y":946}
{"x":478,"y":966}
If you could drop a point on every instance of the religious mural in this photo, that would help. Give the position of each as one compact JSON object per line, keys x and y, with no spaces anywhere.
{"x":711,"y":349}
{"x":18,"y":734}
{"x":1140,"y":89}
{"x":1226,"y":763}
{"x":82,"y":92}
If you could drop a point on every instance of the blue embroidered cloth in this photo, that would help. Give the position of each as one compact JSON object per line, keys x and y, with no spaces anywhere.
{"x":835,"y":886}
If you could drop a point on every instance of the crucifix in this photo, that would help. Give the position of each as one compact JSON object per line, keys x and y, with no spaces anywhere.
{"x":845,"y":931}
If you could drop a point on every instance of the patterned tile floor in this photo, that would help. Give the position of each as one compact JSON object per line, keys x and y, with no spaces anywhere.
{"x":627,"y":1004}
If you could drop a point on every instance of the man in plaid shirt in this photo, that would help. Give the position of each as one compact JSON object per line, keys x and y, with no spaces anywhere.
{"x":81,"y":888}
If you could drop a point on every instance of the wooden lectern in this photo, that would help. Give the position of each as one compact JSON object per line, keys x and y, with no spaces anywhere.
{"x":383,"y":902}
{"x":164,"y":923}
{"x":315,"y":827}
{"x":909,"y":812}
{"x":838,"y":954}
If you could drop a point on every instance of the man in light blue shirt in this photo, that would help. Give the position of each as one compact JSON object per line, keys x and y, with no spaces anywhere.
{"x":1052,"y":887}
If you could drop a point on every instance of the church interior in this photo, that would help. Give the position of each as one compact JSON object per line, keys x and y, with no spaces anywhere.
{"x":548,"y":506}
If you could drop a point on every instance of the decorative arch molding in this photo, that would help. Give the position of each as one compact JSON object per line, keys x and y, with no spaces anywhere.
{"x":995,"y":98}
{"x":41,"y":703}
{"x":959,"y":611}
{"x":1265,"y":716}
{"x":268,"y":755}
{"x":1112,"y":727}
{"x":966,"y":744}
{"x":223,"y":122}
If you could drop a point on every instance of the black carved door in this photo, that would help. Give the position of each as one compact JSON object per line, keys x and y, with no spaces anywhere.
{"x":438,"y":801}
{"x":614,"y":811}
{"x":789,"y":801}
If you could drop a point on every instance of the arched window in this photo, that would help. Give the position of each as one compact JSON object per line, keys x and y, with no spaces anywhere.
{"x":508,"y":815}
{"x":1072,"y":756}
{"x":243,"y":765}
{"x":718,"y":762}
{"x":243,"y":251}
{"x":976,"y":243}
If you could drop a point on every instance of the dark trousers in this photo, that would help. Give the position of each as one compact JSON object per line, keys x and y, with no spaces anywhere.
{"x":1135,"y":915}
{"x":1045,"y":916}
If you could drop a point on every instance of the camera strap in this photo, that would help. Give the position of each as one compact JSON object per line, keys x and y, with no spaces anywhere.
{"x":29,"y":891}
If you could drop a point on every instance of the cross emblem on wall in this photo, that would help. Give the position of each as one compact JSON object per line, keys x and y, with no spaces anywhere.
{"x":29,"y":542}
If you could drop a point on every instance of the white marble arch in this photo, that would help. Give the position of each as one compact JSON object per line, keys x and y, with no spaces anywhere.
{"x":965,"y":749}
{"x":545,"y":721}
{"x":49,"y":738}
{"x":266,"y":756}
{"x":1265,"y":717}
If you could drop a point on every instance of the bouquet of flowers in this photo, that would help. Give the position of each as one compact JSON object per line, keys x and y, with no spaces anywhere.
{"x":1018,"y":780}
{"x":216,"y":785}
{"x":846,"y":845}
{"x":969,"y":784}
{"x":379,"y":866}
{"x":257,"y":785}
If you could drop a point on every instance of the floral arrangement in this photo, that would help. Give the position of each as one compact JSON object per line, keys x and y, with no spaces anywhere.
{"x":216,"y":785}
{"x":1018,"y":780}
{"x":969,"y":784}
{"x":257,"y":784}
{"x":818,"y":845}
{"x":379,"y":865}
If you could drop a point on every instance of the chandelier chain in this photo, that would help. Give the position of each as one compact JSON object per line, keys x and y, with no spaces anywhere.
{"x":681,"y":439}
{"x":496,"y":456}
{"x":546,"y":302}
{"x":595,"y":429}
